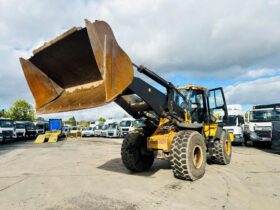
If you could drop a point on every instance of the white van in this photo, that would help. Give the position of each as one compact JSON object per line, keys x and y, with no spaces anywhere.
{"x":6,"y":129}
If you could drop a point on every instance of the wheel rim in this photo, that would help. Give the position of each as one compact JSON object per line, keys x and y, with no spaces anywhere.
{"x":197,"y":156}
{"x":228,"y":149}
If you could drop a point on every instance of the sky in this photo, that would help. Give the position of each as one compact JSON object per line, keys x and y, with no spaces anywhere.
{"x":232,"y":44}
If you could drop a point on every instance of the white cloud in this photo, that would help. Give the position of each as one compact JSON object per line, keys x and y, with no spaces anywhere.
{"x":222,"y":39}
{"x":252,"y":74}
{"x":260,"y":91}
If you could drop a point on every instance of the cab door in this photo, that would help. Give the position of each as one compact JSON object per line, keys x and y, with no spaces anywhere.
{"x":217,"y":105}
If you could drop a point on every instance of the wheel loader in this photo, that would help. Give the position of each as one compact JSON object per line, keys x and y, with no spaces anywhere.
{"x":85,"y":68}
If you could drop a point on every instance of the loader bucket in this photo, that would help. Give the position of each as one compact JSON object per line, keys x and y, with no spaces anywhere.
{"x":82,"y":68}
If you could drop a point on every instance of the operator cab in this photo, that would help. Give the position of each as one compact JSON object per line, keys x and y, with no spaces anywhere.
{"x":200,"y":108}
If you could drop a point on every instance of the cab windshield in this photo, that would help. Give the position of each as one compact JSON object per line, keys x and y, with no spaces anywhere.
{"x":30,"y":126}
{"x":20,"y":126}
{"x":40,"y":126}
{"x":104,"y":127}
{"x":193,"y":97}
{"x":265,"y":115}
{"x":113,"y":126}
{"x":138,"y":123}
{"x":231,"y":121}
{"x":98,"y":127}
{"x":126,"y":123}
{"x":87,"y":129}
{"x":6,"y":123}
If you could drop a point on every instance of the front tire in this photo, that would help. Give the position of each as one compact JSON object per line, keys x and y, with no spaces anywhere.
{"x":134,"y":153}
{"x":188,"y":155}
{"x":222,"y":150}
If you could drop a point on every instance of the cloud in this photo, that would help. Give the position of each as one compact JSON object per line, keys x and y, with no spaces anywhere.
{"x":260,"y":91}
{"x":223,"y":39}
{"x":252,"y":74}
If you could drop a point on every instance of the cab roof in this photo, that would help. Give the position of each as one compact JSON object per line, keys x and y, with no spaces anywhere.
{"x":190,"y":86}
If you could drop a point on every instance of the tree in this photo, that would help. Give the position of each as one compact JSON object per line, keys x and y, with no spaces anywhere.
{"x":3,"y":113}
{"x":21,"y":110}
{"x":84,"y":123}
{"x":71,"y":121}
{"x":40,"y":119}
{"x":101,"y":119}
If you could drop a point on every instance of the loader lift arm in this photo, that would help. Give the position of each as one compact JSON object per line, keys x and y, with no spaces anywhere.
{"x":151,"y":99}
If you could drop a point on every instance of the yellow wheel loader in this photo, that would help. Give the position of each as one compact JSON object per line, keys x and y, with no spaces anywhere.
{"x":85,"y":68}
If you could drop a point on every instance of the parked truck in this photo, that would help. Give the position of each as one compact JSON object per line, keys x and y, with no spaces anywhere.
{"x":87,"y":132}
{"x":41,"y":127}
{"x":98,"y":128}
{"x":30,"y":130}
{"x":114,"y":129}
{"x":19,"y":130}
{"x":258,"y":123}
{"x":126,"y":126}
{"x":6,"y":129}
{"x":235,"y":123}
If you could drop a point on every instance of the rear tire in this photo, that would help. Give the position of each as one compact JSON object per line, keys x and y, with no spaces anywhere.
{"x":134,"y":153}
{"x":188,"y":155}
{"x":222,"y":150}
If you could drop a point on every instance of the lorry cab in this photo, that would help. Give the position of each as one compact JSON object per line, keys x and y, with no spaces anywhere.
{"x":258,"y":123}
{"x":104,"y":130}
{"x":235,"y":123}
{"x":98,"y":129}
{"x":6,"y":129}
{"x":74,"y":129}
{"x":92,"y":124}
{"x":30,"y":130}
{"x":126,"y":126}
{"x":114,"y":130}
{"x":19,"y":130}
{"x":41,"y":127}
{"x":87,"y":132}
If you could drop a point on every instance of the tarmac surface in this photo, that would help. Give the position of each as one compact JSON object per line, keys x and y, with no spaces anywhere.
{"x":89,"y":174}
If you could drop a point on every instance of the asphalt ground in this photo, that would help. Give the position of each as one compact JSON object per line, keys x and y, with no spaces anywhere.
{"x":89,"y":174}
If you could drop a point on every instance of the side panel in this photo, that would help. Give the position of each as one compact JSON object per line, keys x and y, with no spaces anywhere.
{"x":161,"y":141}
{"x":210,"y":130}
